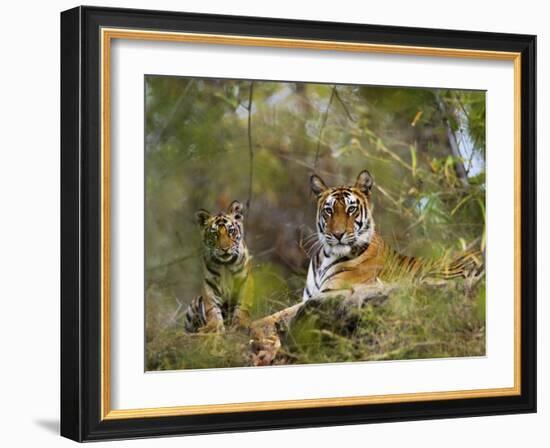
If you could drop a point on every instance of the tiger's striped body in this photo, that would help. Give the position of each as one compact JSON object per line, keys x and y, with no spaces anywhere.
{"x":226,"y":292}
{"x":353,"y":253}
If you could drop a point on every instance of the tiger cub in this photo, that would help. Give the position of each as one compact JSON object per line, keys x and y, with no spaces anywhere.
{"x":227,"y":289}
{"x":351,"y":252}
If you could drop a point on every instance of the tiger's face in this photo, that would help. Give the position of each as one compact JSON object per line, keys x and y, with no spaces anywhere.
{"x":344,"y":217}
{"x":222,"y":234}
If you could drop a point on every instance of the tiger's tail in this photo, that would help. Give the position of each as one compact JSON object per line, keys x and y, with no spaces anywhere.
{"x":467,"y":265}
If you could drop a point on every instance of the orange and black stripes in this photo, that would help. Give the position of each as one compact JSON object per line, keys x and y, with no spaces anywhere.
{"x":351,"y":252}
{"x":226,"y":290}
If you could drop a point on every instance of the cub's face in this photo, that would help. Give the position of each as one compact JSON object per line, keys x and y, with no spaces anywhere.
{"x":344,"y":217}
{"x":222,"y":234}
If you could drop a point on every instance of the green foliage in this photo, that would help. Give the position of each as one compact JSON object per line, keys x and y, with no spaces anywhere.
{"x":177,"y":350}
{"x":417,"y":322}
{"x":428,"y":201}
{"x":272,"y":290}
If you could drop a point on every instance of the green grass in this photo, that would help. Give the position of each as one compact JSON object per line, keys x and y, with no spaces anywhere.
{"x":415,"y":323}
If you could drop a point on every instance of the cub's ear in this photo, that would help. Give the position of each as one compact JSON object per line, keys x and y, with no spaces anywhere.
{"x":202,"y":217}
{"x":317,"y":184}
{"x":236,"y":209}
{"x":364,"y":182}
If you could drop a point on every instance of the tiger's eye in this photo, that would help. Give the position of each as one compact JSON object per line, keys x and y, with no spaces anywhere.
{"x":327,"y":211}
{"x":352,"y":210}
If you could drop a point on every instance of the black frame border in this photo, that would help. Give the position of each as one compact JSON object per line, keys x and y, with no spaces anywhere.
{"x":81,"y":223}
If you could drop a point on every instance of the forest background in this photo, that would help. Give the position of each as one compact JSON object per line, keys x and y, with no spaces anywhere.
{"x":209,"y":141}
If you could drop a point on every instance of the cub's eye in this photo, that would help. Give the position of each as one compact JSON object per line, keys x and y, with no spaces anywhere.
{"x":232,"y":231}
{"x":352,"y":210}
{"x":327,"y":211}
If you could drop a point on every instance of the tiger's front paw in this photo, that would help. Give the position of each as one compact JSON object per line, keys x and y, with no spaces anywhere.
{"x":264,"y":352}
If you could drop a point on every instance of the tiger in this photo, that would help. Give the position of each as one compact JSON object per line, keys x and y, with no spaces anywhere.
{"x":351,"y":252}
{"x":227,"y":287}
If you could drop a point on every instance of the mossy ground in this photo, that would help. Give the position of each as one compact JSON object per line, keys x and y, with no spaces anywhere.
{"x":419,"y":322}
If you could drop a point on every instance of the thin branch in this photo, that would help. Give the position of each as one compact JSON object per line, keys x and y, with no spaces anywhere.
{"x":394,"y":201}
{"x":250,"y":151}
{"x":384,"y":192}
{"x":322,"y":127}
{"x":173,"y":262}
{"x":226,"y":100}
{"x":471,"y":160}
{"x":461,"y":104}
{"x":174,"y":316}
{"x":159,"y":134}
{"x":383,"y":148}
{"x":475,"y":143}
{"x":344,"y":106}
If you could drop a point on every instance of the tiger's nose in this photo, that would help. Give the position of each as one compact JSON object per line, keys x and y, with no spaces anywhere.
{"x":338,"y":235}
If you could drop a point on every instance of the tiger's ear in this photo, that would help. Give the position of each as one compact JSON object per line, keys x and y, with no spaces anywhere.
{"x":202,"y":217}
{"x":317,"y":184}
{"x":236,"y":209}
{"x":364,"y":182}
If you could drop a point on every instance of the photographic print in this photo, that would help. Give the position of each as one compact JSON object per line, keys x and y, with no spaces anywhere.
{"x":299,"y":223}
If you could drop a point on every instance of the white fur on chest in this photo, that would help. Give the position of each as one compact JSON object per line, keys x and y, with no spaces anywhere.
{"x":316,"y":279}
